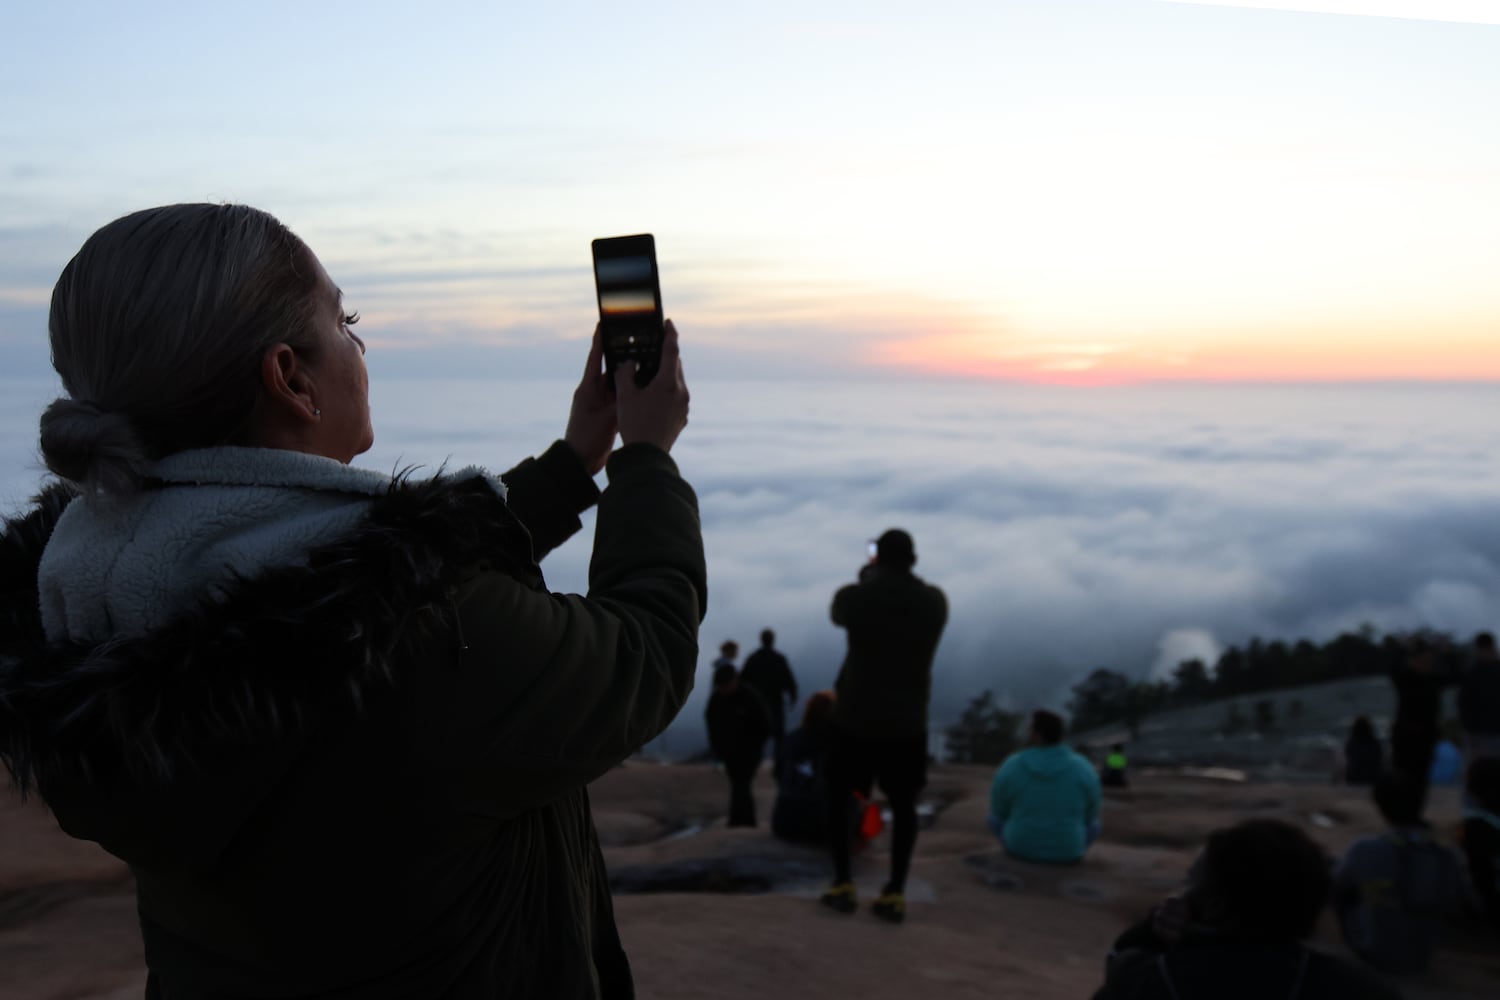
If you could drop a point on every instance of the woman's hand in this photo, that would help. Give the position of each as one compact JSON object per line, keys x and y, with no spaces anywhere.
{"x":658,"y":411}
{"x":592,"y":422}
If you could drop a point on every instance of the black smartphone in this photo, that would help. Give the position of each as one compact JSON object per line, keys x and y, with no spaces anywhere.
{"x":629,"y":303}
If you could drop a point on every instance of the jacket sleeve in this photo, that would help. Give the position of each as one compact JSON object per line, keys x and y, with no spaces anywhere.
{"x":556,"y":689}
{"x":548,"y":493}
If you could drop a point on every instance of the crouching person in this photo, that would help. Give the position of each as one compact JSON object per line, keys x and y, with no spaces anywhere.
{"x":1238,"y":932}
{"x":1393,"y":890}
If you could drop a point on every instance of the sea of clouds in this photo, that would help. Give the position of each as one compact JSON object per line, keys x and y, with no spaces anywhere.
{"x":1071,"y":528}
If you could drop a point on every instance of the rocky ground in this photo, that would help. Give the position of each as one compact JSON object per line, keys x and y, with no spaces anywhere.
{"x":710,"y":912}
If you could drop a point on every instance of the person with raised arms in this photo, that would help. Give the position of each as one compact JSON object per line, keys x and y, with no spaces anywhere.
{"x":334,"y":720}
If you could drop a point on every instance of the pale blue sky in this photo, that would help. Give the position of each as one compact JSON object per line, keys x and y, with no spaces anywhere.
{"x":1016,"y":187}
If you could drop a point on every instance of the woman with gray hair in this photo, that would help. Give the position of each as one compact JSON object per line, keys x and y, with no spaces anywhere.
{"x":333,"y":720}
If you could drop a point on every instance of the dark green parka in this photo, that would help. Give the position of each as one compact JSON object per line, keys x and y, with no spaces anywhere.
{"x":364,"y":777}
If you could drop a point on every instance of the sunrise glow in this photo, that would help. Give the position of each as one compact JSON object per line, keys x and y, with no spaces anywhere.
{"x":1070,"y":191}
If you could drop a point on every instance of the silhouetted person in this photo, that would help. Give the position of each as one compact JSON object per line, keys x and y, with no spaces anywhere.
{"x":1364,"y":757}
{"x":1419,"y":682}
{"x":1447,"y":770}
{"x":729,"y":652}
{"x":737,"y":731}
{"x":337,"y":723}
{"x":1481,"y":834}
{"x":1392,"y":890}
{"x":1115,"y":764}
{"x":894,"y":621}
{"x":1479,"y":700}
{"x":1044,"y":801}
{"x":768,"y":674}
{"x":1254,"y":896}
{"x":801,"y":811}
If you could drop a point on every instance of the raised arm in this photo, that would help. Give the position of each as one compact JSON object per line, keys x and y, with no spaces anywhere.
{"x":548,"y":493}
{"x":555,"y":689}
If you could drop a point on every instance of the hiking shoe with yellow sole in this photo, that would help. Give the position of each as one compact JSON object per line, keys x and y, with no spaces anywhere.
{"x":890,"y":907}
{"x":840,"y":897}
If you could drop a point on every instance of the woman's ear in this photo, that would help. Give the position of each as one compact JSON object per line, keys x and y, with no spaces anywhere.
{"x":287,"y":384}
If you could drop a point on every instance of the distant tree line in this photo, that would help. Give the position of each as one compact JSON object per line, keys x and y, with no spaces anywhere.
{"x":1107,"y":697}
{"x":984,"y":734}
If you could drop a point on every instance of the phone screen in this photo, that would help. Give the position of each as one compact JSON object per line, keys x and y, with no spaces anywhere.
{"x":629,"y":302}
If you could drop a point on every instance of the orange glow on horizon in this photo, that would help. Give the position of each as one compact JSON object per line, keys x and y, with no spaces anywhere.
{"x":1315,"y":357}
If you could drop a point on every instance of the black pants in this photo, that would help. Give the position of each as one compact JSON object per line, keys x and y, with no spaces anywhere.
{"x":856,"y":764}
{"x":741,"y":798}
{"x":1412,"y":747}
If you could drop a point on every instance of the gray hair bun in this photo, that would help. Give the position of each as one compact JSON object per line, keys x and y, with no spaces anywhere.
{"x":98,"y":449}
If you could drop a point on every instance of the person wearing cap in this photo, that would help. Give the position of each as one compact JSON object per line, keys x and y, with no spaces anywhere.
{"x":878,"y":733}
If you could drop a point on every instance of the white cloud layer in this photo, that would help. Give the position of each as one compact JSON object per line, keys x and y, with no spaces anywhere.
{"x":1070,"y":528}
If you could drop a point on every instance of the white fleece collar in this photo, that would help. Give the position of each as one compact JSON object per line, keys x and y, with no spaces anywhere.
{"x":123,"y":567}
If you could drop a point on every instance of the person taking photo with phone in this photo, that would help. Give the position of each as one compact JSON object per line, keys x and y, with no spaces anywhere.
{"x":333,"y":719}
{"x":878,"y":733}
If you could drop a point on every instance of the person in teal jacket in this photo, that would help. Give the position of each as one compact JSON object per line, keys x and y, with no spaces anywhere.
{"x":1044,"y":803}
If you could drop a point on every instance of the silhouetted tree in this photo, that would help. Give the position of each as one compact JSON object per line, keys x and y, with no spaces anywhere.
{"x":1108,"y":696}
{"x":1231,"y":673}
{"x":984,"y":734}
{"x":1101,"y":698}
{"x":1191,"y":680}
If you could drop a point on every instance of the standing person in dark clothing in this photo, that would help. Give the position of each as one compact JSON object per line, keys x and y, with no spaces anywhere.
{"x":1481,"y":834}
{"x":335,"y":722}
{"x":1364,"y":757}
{"x":1253,"y":898}
{"x":894,"y":621}
{"x":1419,"y":682}
{"x":737,"y":730}
{"x":1479,"y":700}
{"x":768,"y":674}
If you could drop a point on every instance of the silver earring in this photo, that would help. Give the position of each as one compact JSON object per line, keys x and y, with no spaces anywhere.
{"x":317,"y":412}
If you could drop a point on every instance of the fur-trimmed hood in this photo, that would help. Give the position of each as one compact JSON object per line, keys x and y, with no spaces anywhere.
{"x":230,"y":686}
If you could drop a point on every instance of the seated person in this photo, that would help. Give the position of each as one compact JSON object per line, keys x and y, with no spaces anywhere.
{"x":1044,"y":802}
{"x":1254,"y":895}
{"x":801,"y":810}
{"x":1481,"y":831}
{"x":1392,"y":891}
{"x":1113,"y":775}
